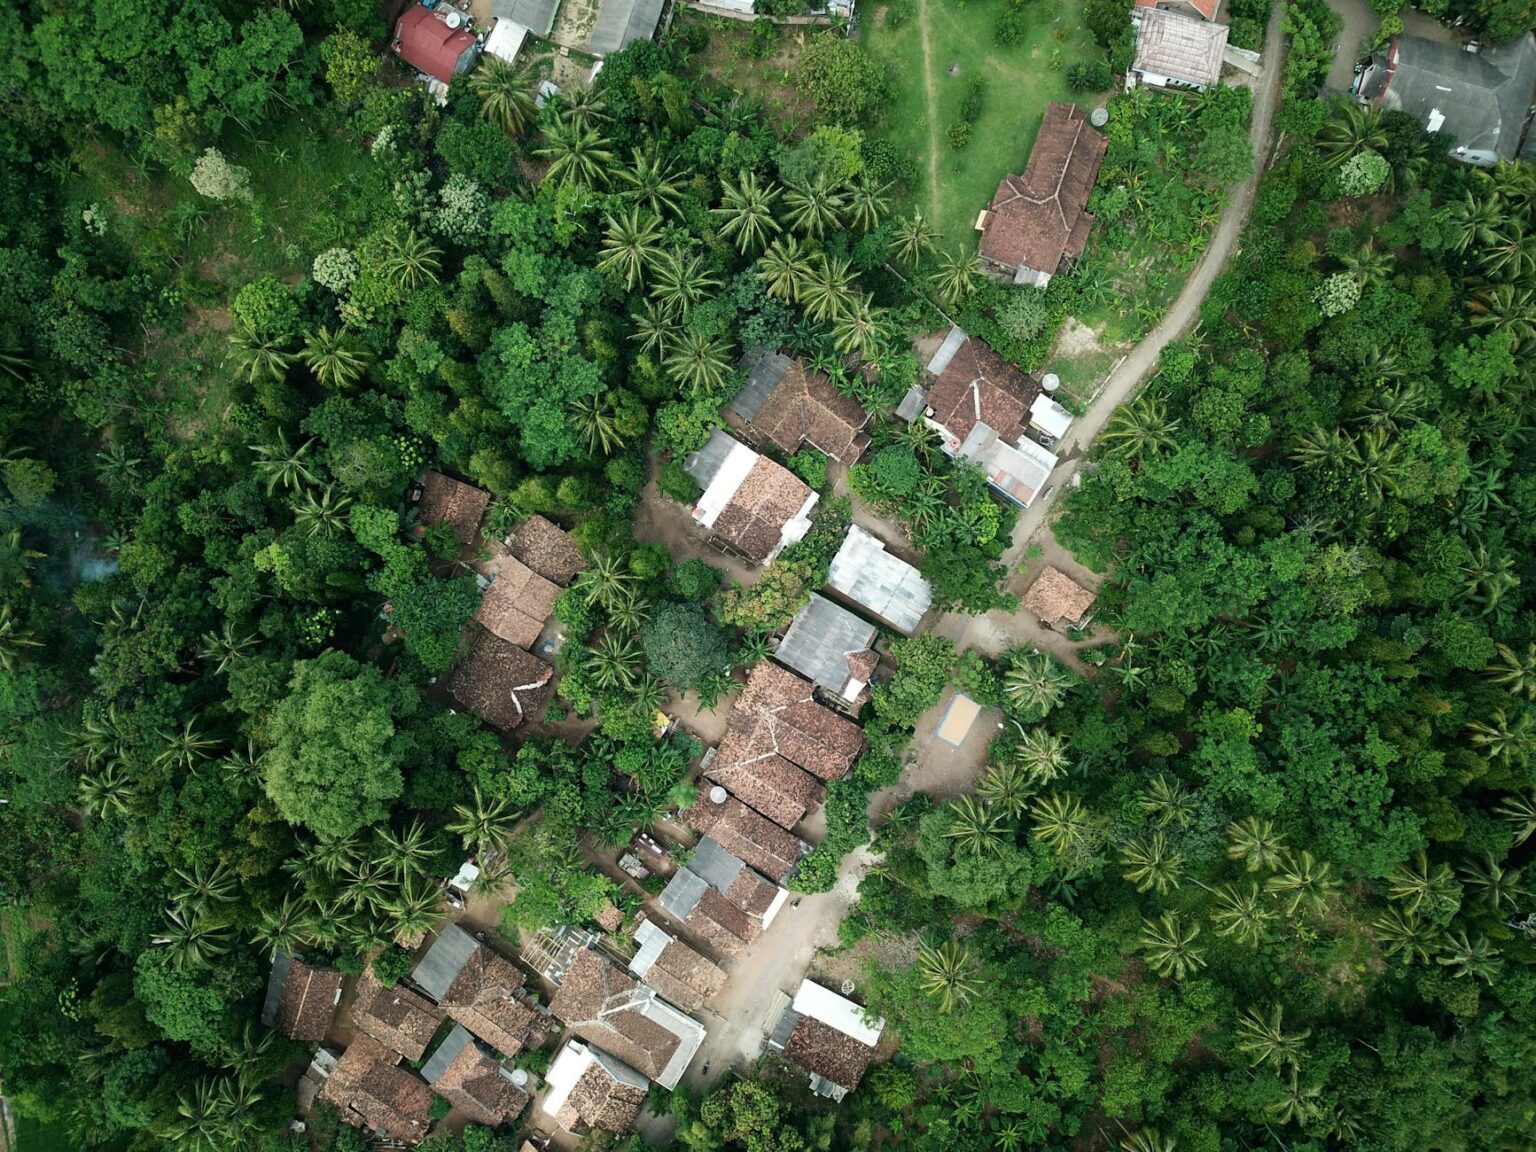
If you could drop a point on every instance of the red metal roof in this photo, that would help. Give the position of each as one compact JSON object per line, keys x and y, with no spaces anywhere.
{"x":425,"y":42}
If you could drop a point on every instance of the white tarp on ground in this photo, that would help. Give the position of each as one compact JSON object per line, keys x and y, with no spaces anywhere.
{"x":506,"y":39}
{"x":836,"y":1012}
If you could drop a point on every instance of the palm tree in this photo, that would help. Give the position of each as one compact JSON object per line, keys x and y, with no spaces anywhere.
{"x":258,"y":357}
{"x":945,"y":973}
{"x":956,"y":277}
{"x":859,"y":330}
{"x":631,"y":245}
{"x":652,"y":181}
{"x":1520,"y":811}
{"x":584,"y":107}
{"x":1169,"y":945}
{"x":815,"y":206}
{"x":1264,"y":1040}
{"x":1497,"y":887}
{"x":505,"y":92}
{"x":316,"y":514}
{"x":214,"y":1117}
{"x":1243,"y":916}
{"x":1006,"y":789}
{"x":1147,"y":1140}
{"x":1514,"y":671}
{"x":826,"y":293}
{"x":1475,"y":218}
{"x":1506,"y":308}
{"x":1043,"y":755}
{"x":1327,"y":450}
{"x":629,"y":612}
{"x":109,"y":792}
{"x":415,"y":909}
{"x":594,"y":417}
{"x":1476,"y":957}
{"x":284,"y":929}
{"x":1150,"y":864}
{"x":1298,"y":1103}
{"x":185,"y":747}
{"x":412,"y":261}
{"x":1166,"y":801}
{"x":338,"y":856}
{"x":647,"y":696}
{"x":283,"y":466}
{"x":615,"y":662}
{"x":785,"y":268}
{"x":1256,"y":843}
{"x":192,"y":939}
{"x":1353,"y":129}
{"x":975,"y":827}
{"x":14,"y":639}
{"x":914,"y":239}
{"x":1060,"y":822}
{"x":747,"y":209}
{"x":1036,"y":683}
{"x":1402,"y":931}
{"x":1416,"y":884}
{"x":1140,"y":429}
{"x":681,"y":282}
{"x":202,"y":887}
{"x":404,"y":854}
{"x":485,"y":826}
{"x":1505,"y":739}
{"x":335,"y":358}
{"x":1509,"y":253}
{"x":1305,"y":882}
{"x":604,"y":581}
{"x":115,"y":467}
{"x":580,"y":156}
{"x":867,"y":204}
{"x":700,"y":363}
{"x":1367,"y":265}
{"x":655,"y":327}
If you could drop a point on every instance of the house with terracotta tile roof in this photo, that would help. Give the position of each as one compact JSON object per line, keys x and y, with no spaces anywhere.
{"x":1176,"y":51}
{"x":592,"y":1089}
{"x":829,"y":1036}
{"x":469,"y":1077}
{"x":788,"y":403}
{"x":606,"y":1006}
{"x":498,"y":681}
{"x":440,"y":499}
{"x":301,"y":998}
{"x":373,"y":1093}
{"x":677,"y":971}
{"x":1056,"y":599}
{"x":395,"y":1017}
{"x":547,"y":549}
{"x":720,"y":899}
{"x":745,"y":832}
{"x":482,"y":991}
{"x":515,"y":601}
{"x":1038,"y":223}
{"x":752,"y":505}
{"x":832,"y":648}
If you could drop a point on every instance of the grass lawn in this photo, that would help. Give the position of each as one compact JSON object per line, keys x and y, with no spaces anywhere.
{"x":933,"y":57}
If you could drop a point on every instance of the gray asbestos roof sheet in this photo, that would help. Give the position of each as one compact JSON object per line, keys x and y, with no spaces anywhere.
{"x":621,"y":23}
{"x":764,"y":369}
{"x":538,"y":16}
{"x":438,"y":1062}
{"x":820,"y":640}
{"x":886,"y":585}
{"x":703,"y":464}
{"x":683,"y":893}
{"x":715,"y":865}
{"x":444,"y":961}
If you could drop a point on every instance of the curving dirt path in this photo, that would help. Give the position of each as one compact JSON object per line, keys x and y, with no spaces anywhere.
{"x":931,"y":93}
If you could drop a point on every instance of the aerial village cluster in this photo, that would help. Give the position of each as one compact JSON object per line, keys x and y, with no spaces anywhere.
{"x":627,"y":1009}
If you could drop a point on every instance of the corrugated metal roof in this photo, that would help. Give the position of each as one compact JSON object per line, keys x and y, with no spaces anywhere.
{"x":886,"y":585}
{"x":836,"y":1012}
{"x":947,"y":351}
{"x":683,"y":893}
{"x":280,"y":966}
{"x":652,"y":941}
{"x":705,"y":464}
{"x":819,"y":641}
{"x":621,"y":23}
{"x":444,"y":961}
{"x":537,"y":15}
{"x":437,"y":1063}
{"x":715,"y":865}
{"x":764,"y":368}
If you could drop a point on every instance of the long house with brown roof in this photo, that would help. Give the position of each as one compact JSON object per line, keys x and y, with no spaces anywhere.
{"x":749,"y":503}
{"x":515,"y":600}
{"x":469,"y":1078}
{"x":789,"y":403}
{"x":499,"y":682}
{"x":720,"y":899}
{"x":482,"y":991}
{"x":829,"y":1036}
{"x":677,"y":971}
{"x":396,"y":1017}
{"x":372,"y":1092}
{"x":1039,"y":221}
{"x":301,"y":998}
{"x":547,"y":549}
{"x":440,"y":499}
{"x":606,"y":1006}
{"x":592,"y":1089}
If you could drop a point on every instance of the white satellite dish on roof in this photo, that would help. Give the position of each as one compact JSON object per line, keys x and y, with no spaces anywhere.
{"x":519,"y":1078}
{"x":718,"y":794}
{"x":454,"y":20}
{"x":1099,"y":117}
{"x":1050,"y":381}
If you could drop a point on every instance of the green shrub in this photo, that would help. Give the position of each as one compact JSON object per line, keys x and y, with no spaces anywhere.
{"x":694,"y":580}
{"x":975,"y":99}
{"x":898,"y":13}
{"x":1093,"y":76}
{"x":959,"y":136}
{"x":682,"y":645}
{"x":811,"y":466}
{"x":391,"y":966}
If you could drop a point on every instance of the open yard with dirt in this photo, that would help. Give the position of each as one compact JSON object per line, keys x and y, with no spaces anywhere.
{"x":936,"y":49}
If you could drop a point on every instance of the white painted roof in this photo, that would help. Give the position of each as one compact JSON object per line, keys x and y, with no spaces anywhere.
{"x":652,"y":941}
{"x":727,"y":479}
{"x":836,"y":1012}
{"x":574,"y":1059}
{"x":1049,"y":416}
{"x":468,"y":873}
{"x":506,"y":39}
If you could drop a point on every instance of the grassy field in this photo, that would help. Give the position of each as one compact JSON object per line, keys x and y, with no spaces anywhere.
{"x":933,"y":56}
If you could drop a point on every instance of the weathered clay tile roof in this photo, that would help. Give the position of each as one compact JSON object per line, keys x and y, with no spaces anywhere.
{"x":723,"y":925}
{"x":767,"y":782}
{"x":475,"y":1085}
{"x":599,"y":1100}
{"x":488,"y":998}
{"x":979,"y":386}
{"x":307,"y":1001}
{"x":1056,"y":596}
{"x":753,"y":521}
{"x":1034,"y":217}
{"x":1179,"y":47}
{"x":370,"y":1091}
{"x":685,"y":976}
{"x":519,"y":600}
{"x":804,"y":406}
{"x":396,"y":1017}
{"x":499,"y":682}
{"x":445,"y":500}
{"x":548,"y":549}
{"x":598,"y":1000}
{"x":746,"y":834}
{"x":831,"y":1054}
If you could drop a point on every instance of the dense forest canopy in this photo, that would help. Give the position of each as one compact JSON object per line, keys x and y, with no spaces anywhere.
{"x":1253,"y":877}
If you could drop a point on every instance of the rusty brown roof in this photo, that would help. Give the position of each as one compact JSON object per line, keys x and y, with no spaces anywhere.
{"x":445,"y":500}
{"x":1034,"y":217}
{"x":600,"y":1101}
{"x":1056,"y":596}
{"x":473,"y":1083}
{"x":488,"y":998}
{"x":753,"y":520}
{"x":308,"y":1000}
{"x":746,"y":834}
{"x":684,"y":976}
{"x":979,"y":386}
{"x":396,"y":1017}
{"x":723,"y":924}
{"x":777,"y":715}
{"x":805,"y":407}
{"x":764,"y":779}
{"x":548,"y":549}
{"x":831,"y":1054}
{"x":370,"y":1091}
{"x":499,"y":682}
{"x":519,"y":600}
{"x":593,"y":1000}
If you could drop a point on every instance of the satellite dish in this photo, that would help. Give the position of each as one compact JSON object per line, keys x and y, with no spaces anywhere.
{"x":1099,"y":117}
{"x":848,"y":987}
{"x":454,"y":20}
{"x":718,"y":794}
{"x":1050,"y":381}
{"x":519,"y":1077}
